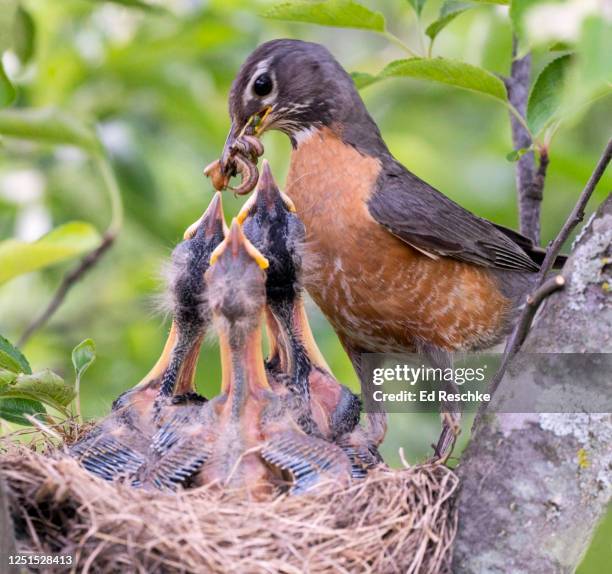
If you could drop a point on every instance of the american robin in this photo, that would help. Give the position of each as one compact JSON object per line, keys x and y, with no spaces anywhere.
{"x":270,"y":223}
{"x":118,"y":446}
{"x":395,"y":265}
{"x":247,"y":436}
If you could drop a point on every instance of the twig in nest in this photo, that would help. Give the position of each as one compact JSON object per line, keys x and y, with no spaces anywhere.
{"x":67,"y":283}
{"x":544,"y":286}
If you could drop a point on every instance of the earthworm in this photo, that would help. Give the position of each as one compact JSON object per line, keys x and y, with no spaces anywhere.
{"x":242,"y":160}
{"x":249,"y":174}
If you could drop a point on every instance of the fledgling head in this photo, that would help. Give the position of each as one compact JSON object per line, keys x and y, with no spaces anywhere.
{"x":190,"y":260}
{"x":291,"y":86}
{"x":271,"y":224}
{"x":236,"y":281}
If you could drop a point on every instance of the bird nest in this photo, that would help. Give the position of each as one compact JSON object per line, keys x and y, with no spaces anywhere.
{"x":392,"y":521}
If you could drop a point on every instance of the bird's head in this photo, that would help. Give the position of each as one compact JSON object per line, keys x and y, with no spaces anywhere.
{"x":236,"y":281}
{"x":290,"y":86}
{"x":271,"y":224}
{"x":191,"y":259}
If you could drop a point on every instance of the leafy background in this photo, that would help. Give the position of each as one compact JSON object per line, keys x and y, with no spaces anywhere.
{"x":134,"y":93}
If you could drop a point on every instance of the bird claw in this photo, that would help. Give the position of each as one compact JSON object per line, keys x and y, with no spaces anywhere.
{"x":241,"y":160}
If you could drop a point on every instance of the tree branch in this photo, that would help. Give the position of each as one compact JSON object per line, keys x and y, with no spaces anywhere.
{"x":575,"y":217}
{"x":7,"y":533}
{"x":529,"y":182}
{"x":533,"y":485}
{"x":91,"y":259}
{"x":69,"y":280}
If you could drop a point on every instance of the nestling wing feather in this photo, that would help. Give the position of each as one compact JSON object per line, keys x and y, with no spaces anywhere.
{"x":307,"y":458}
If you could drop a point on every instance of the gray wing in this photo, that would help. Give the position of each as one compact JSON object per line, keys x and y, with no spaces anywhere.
{"x":430,"y":222}
{"x":308,"y":459}
{"x":106,"y":456}
{"x":177,"y":453}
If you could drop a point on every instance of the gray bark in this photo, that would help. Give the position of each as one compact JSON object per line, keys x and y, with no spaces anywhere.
{"x":7,"y":535}
{"x":534,"y":486}
{"x":529,"y":195}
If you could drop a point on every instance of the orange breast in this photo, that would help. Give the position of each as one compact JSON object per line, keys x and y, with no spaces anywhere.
{"x":379,"y":293}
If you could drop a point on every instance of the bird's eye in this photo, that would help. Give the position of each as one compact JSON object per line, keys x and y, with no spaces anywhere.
{"x":262,"y":85}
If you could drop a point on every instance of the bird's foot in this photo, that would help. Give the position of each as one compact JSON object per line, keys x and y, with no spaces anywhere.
{"x":451,"y":429}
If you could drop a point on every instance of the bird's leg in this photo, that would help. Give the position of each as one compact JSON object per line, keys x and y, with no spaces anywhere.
{"x":451,"y":429}
{"x":450,"y":412}
{"x":376,"y":421}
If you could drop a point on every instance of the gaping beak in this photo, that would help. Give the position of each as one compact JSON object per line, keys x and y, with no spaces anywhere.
{"x":266,"y":197}
{"x":211,"y":222}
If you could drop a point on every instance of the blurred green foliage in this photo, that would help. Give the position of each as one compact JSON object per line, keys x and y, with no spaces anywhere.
{"x":153,"y":77}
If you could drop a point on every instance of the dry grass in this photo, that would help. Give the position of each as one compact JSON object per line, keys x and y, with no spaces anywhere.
{"x":394,"y":521}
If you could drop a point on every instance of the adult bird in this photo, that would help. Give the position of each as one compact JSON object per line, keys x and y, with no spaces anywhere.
{"x":119,"y":445}
{"x":395,"y":265}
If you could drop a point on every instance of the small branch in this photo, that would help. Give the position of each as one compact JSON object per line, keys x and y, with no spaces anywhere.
{"x":529,"y":190}
{"x":67,"y":283}
{"x":548,"y":287}
{"x":393,"y":38}
{"x":577,"y":214}
{"x":91,"y":259}
{"x":544,"y":286}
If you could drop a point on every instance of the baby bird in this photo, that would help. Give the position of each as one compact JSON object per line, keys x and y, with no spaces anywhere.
{"x":247,"y":436}
{"x":270,"y":222}
{"x":118,"y":446}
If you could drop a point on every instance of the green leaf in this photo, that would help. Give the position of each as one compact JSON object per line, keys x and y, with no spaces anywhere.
{"x":449,"y":11}
{"x":517,"y":154}
{"x":24,"y":35}
{"x":12,"y":358}
{"x":363,"y":80}
{"x":48,"y":125}
{"x":140,"y":4}
{"x":417,"y":5}
{"x":44,"y":386}
{"x":561,"y":47}
{"x":7,"y":91}
{"x":64,"y":242}
{"x":546,"y":94}
{"x":83,"y":355}
{"x":518,"y":9}
{"x":6,"y":377}
{"x":14,"y":410}
{"x":451,"y":72}
{"x":595,"y":47}
{"x":7,"y":18}
{"x":339,"y":13}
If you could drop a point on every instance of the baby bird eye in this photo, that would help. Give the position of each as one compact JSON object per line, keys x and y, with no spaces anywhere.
{"x":262,"y":85}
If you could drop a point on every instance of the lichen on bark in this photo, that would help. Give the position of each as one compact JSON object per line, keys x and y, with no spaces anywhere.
{"x":535,"y":485}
